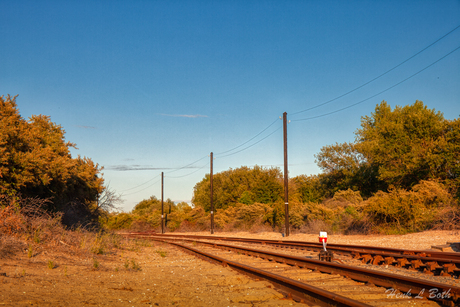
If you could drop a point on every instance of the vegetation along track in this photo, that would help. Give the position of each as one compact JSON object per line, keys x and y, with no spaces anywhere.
{"x":320,"y":282}
{"x":428,"y":262}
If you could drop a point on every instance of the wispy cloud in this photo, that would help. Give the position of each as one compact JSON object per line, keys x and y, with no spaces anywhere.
{"x":85,"y":127}
{"x":124,"y":167}
{"x":131,"y":168}
{"x":184,"y":115}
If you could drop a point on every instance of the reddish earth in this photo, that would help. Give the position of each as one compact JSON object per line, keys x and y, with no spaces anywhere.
{"x":155,"y":274}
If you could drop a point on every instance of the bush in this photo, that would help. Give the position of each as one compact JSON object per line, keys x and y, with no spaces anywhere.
{"x":10,"y":220}
{"x":401,"y":211}
{"x":24,"y":224}
{"x":140,"y":225}
{"x":315,"y":226}
{"x":344,"y":198}
{"x":119,"y":221}
{"x":174,"y":220}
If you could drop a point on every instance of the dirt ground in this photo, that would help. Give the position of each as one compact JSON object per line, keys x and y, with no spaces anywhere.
{"x":155,"y":274}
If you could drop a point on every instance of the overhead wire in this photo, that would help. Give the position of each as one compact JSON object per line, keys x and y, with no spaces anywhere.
{"x":189,"y":173}
{"x":219,"y":155}
{"x":387,"y":89}
{"x":179,"y":168}
{"x":176,"y":169}
{"x":379,"y":76}
{"x":142,"y":189}
{"x":223,"y":152}
{"x":200,"y":168}
{"x":140,"y":184}
{"x":250,"y":145}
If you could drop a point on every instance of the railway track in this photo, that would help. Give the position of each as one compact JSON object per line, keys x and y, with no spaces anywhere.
{"x":318,"y":282}
{"x":429,"y":262}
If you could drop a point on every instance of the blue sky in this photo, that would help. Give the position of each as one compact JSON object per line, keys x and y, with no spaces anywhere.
{"x":149,"y":86}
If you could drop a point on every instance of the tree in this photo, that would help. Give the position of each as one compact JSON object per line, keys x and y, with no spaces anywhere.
{"x":147,"y":206}
{"x":409,"y":144}
{"x":345,"y":168}
{"x":35,"y":161}
{"x":108,"y":200}
{"x":306,"y":189}
{"x":242,"y":185}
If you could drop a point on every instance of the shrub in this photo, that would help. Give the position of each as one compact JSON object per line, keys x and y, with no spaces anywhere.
{"x":344,"y":198}
{"x":119,"y":221}
{"x":401,"y":211}
{"x":250,"y":215}
{"x":315,"y":226}
{"x":10,"y":220}
{"x":141,"y":225}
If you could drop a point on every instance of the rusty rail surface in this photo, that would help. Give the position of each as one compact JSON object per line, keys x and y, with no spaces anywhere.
{"x":442,"y":293}
{"x":429,"y":262}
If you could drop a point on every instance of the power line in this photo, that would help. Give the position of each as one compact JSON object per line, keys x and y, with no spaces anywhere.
{"x":355,"y":89}
{"x":140,"y":184}
{"x":250,"y":145}
{"x":313,"y":117}
{"x":220,"y":153}
{"x":176,"y":169}
{"x":265,"y":129}
{"x":142,"y":189}
{"x":189,"y":173}
{"x":179,"y":168}
{"x":389,"y":88}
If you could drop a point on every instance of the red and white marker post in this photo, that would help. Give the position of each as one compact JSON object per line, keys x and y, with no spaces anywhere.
{"x":324,"y":255}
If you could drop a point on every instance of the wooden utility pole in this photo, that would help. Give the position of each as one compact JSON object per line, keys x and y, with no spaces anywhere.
{"x":212,"y":202}
{"x":162,"y":207}
{"x":286,"y":179}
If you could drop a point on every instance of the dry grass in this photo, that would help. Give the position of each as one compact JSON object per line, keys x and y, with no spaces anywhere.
{"x":25,"y":226}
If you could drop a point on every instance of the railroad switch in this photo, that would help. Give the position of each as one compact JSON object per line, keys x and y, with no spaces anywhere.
{"x":324,"y":255}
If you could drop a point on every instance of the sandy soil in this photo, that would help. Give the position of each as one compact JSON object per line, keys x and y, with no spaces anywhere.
{"x":154,"y":274}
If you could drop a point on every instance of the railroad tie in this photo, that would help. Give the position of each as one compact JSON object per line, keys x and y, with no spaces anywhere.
{"x":416,"y":264}
{"x":430,"y":267}
{"x":390,"y":260}
{"x":402,"y":262}
{"x":366,"y":258}
{"x":448,"y":269}
{"x":377,"y":260}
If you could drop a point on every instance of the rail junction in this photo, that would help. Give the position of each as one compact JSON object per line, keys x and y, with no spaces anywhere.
{"x":321,"y":283}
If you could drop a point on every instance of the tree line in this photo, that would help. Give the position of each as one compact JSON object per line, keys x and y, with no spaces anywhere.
{"x":400,"y":174}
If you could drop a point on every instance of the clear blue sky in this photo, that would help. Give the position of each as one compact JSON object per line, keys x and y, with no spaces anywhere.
{"x":149,"y":86}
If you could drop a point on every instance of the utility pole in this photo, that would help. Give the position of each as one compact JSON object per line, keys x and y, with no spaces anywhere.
{"x":286,"y":179}
{"x":162,"y":207}
{"x":212,"y":203}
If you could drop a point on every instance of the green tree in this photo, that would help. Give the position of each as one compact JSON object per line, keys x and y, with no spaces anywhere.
{"x":306,"y":189}
{"x":344,"y":167}
{"x":409,"y":144}
{"x":147,"y":206}
{"x":242,"y":185}
{"x":450,"y":165}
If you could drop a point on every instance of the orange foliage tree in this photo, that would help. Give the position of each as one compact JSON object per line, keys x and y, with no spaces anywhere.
{"x":35,"y":161}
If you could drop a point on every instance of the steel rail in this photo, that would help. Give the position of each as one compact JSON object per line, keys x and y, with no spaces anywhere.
{"x":428,"y":253}
{"x":445,"y":294}
{"x":295,"y":289}
{"x":447,"y":264}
